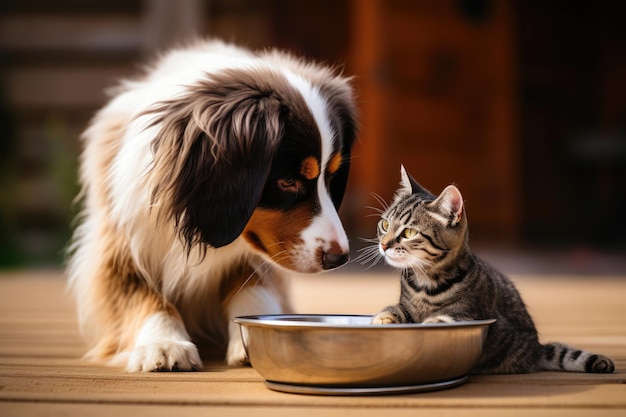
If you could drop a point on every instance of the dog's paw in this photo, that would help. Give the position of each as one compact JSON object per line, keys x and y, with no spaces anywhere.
{"x":384,"y":317}
{"x":444,"y":318}
{"x":175,"y":355}
{"x":163,"y":344}
{"x":236,"y":354}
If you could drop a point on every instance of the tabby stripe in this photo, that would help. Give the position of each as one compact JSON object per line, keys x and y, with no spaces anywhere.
{"x":441,"y":219}
{"x":549,"y":352}
{"x":412,"y":284}
{"x":434,"y":304}
{"x":407,"y":213}
{"x":407,"y":314}
{"x":432,"y":242}
{"x":441,"y":257}
{"x":590,"y":363}
{"x":446,"y":285}
{"x":434,"y":255}
{"x":562,"y":357}
{"x":575,"y":355}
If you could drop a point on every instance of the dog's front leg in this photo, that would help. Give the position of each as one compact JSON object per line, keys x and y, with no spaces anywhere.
{"x":250,"y":300}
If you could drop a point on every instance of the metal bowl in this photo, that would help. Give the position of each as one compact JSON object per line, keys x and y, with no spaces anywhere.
{"x":345,"y":354}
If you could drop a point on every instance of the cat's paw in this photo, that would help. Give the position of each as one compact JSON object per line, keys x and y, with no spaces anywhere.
{"x":167,"y":355}
{"x":600,"y":364}
{"x":384,"y":317}
{"x":444,"y":318}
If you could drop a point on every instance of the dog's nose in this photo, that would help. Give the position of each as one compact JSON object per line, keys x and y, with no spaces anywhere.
{"x":333,"y":259}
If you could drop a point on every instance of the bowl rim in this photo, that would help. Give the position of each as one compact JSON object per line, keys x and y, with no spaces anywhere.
{"x":283,"y":321}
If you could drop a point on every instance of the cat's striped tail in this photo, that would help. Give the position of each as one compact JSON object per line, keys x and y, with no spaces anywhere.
{"x":560,"y":357}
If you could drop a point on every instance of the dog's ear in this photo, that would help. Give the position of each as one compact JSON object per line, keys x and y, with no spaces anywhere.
{"x":343,"y":118}
{"x":212,"y":156}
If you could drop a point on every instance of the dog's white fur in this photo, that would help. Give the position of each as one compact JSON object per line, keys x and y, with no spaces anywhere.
{"x":144,"y":294}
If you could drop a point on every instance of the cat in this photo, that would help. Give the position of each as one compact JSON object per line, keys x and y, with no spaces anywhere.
{"x":443,"y":281}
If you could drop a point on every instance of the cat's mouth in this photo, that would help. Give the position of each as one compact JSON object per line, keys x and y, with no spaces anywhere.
{"x":395,"y":259}
{"x":401,"y":259}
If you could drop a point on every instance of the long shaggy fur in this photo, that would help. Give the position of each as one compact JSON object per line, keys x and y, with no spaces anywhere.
{"x":196,"y":202}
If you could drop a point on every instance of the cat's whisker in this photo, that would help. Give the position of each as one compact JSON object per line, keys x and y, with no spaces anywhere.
{"x":416,"y":267}
{"x":369,"y":240}
{"x":368,"y":248}
{"x":372,"y":257}
{"x":418,"y":264}
{"x":369,"y":255}
{"x":378,"y":210}
{"x":381,"y":201}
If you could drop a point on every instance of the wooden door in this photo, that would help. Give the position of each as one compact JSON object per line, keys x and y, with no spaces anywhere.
{"x":436,"y":86}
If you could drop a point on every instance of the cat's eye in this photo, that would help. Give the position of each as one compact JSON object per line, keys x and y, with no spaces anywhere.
{"x":384,"y":224}
{"x":409,"y":232}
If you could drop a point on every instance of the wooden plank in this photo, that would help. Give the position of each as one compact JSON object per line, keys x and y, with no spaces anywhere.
{"x":52,"y":409}
{"x":221,"y":388}
{"x":41,"y":372}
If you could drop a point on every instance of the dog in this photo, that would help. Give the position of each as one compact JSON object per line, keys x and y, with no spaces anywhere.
{"x":204,"y":182}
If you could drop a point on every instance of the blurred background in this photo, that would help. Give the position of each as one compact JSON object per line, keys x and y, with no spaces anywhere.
{"x":522,"y":104}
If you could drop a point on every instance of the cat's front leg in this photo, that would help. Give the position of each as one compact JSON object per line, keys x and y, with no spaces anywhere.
{"x":442,"y":318}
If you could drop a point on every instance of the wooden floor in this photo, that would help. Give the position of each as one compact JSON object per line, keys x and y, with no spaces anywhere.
{"x":41,"y":373}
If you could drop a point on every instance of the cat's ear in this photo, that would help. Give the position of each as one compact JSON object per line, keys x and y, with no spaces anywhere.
{"x":451,"y":202}
{"x":409,"y":184}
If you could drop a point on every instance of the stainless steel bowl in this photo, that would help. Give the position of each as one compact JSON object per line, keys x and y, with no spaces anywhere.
{"x":346,"y":354}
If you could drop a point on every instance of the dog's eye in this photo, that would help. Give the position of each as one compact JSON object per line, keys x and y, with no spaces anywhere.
{"x":290,"y":185}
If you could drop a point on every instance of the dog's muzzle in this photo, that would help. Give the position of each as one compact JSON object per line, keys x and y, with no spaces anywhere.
{"x":333,"y":259}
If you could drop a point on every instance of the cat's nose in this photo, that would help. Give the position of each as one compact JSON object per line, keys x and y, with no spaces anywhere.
{"x":333,"y":259}
{"x":384,"y":247}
